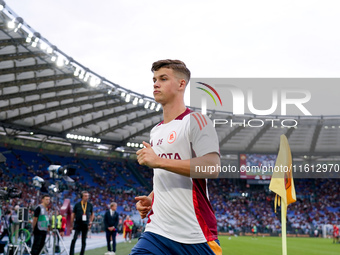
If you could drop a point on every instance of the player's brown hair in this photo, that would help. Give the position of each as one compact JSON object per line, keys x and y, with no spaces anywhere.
{"x":176,"y":65}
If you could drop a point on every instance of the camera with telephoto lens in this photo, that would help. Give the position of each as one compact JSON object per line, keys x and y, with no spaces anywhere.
{"x":57,"y":171}
{"x":7,"y":193}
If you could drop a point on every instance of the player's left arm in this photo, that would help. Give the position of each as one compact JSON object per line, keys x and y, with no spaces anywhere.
{"x":148,"y":157}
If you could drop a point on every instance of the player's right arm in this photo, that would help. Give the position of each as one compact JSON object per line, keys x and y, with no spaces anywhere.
{"x":144,"y":204}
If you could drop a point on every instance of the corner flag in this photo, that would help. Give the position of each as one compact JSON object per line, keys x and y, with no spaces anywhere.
{"x":282,"y":184}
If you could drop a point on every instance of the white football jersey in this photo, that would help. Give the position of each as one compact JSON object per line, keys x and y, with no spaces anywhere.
{"x":181,"y":210}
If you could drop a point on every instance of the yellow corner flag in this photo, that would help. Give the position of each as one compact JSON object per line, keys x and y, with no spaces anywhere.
{"x":282,"y":184}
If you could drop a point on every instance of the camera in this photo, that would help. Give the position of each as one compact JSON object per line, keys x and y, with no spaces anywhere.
{"x":7,"y":193}
{"x":53,"y":189}
{"x":38,"y":181}
{"x":57,"y":171}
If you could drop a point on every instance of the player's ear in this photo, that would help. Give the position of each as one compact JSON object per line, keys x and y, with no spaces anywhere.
{"x":182,"y":84}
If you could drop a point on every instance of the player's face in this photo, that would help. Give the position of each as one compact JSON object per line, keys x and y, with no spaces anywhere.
{"x":165,"y":86}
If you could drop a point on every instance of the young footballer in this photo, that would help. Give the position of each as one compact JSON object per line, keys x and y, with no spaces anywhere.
{"x":181,"y":219}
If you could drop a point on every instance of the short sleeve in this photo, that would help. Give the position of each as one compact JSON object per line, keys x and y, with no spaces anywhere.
{"x":75,"y":209}
{"x":202,"y":135}
{"x":37,"y":212}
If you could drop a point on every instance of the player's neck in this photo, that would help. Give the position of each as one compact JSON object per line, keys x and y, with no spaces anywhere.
{"x":172,"y":110}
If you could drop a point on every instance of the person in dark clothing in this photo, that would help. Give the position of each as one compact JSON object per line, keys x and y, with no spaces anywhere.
{"x":7,"y":223}
{"x":82,"y":217}
{"x":111,"y":220}
{"x":40,"y":225}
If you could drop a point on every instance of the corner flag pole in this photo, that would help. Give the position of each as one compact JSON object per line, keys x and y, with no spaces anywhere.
{"x":283,"y":227}
{"x":282,"y":184}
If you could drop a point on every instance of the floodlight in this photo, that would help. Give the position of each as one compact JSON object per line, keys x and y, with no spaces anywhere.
{"x":60,"y":61}
{"x":36,"y":40}
{"x":29,"y":37}
{"x":95,"y":81}
{"x":2,"y":5}
{"x":128,"y":97}
{"x":15,"y":23}
{"x":86,"y":77}
{"x":43,"y":45}
{"x":49,"y":50}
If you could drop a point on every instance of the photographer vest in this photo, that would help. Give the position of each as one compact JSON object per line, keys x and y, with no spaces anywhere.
{"x":43,"y":219}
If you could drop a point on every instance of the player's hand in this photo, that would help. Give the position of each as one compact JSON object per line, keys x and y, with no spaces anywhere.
{"x":147,"y":156}
{"x":143,"y":205}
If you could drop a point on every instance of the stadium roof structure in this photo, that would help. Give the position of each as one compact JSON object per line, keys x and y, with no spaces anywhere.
{"x":47,"y":96}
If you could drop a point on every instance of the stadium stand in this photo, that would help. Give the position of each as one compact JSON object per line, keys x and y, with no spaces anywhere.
{"x":238,"y":205}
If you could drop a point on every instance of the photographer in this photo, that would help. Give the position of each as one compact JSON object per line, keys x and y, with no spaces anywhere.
{"x":7,"y":220}
{"x":40,"y":225}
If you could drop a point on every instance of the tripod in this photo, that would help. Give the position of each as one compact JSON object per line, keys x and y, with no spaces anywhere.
{"x":56,"y":236}
{"x":55,"y":231}
{"x":23,"y":236}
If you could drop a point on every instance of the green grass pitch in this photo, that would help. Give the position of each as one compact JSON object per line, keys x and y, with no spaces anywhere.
{"x":255,"y":246}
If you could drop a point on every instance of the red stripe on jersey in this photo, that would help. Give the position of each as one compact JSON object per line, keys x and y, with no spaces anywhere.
{"x":160,"y":123}
{"x":151,"y":212}
{"x":204,"y":120}
{"x":179,"y":117}
{"x":187,"y":111}
{"x":199,"y":124}
{"x":199,"y":115}
{"x":203,"y":209}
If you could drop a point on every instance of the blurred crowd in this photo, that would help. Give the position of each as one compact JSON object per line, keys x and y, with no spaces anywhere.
{"x":238,"y":206}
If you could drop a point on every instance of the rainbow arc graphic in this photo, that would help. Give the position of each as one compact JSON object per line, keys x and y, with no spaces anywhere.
{"x":209,"y":93}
